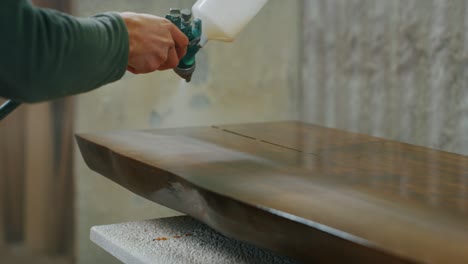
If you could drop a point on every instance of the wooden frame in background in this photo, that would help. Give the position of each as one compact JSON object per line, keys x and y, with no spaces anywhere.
{"x":36,"y":173}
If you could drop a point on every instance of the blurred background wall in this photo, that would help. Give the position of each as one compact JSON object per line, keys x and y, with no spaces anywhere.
{"x":394,"y":69}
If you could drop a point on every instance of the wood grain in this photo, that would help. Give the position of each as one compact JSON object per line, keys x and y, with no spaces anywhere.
{"x":313,"y":193}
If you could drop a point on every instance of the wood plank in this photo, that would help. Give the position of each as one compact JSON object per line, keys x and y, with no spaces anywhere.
{"x":39,"y":224}
{"x":2,"y":189}
{"x":357,"y":150}
{"x":308,"y":192}
{"x":299,"y":136}
{"x":56,"y":215}
{"x":12,"y":153}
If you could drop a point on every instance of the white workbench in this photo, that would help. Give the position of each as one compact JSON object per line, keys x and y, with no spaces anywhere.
{"x":179,"y":239}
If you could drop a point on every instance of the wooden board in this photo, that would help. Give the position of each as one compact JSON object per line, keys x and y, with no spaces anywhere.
{"x":12,"y":174}
{"x":39,"y":174}
{"x":36,"y":183}
{"x":63,"y":204}
{"x":312,"y":193}
{"x":48,"y":171}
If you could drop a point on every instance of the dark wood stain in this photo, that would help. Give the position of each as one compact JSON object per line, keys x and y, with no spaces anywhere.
{"x":312,"y":193}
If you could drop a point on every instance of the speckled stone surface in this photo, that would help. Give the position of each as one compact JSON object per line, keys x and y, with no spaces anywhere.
{"x":179,"y":239}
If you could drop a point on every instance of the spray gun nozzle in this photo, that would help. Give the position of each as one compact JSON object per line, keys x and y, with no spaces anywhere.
{"x":192,"y":28}
{"x":187,"y":78}
{"x":185,"y":73}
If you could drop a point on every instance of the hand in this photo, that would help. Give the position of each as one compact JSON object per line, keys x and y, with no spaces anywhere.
{"x":155,"y":43}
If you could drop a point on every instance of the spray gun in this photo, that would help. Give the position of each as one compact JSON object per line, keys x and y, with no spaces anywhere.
{"x":192,"y":28}
{"x":222,"y":20}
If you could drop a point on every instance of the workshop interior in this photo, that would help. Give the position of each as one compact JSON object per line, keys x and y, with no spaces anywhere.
{"x":299,"y":131}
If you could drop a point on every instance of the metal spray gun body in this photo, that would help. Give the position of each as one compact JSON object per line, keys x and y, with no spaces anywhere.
{"x":193,"y":30}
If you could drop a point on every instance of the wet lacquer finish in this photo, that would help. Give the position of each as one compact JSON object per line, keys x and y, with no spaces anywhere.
{"x":312,"y":193}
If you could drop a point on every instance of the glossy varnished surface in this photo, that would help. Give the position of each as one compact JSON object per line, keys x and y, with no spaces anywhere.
{"x":309,"y":192}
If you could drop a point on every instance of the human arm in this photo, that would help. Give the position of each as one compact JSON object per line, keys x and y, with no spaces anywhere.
{"x":45,"y":54}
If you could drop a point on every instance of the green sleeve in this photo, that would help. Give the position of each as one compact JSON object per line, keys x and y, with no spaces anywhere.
{"x":45,"y":54}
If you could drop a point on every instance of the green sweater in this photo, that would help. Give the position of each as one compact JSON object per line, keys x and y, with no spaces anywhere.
{"x":45,"y":54}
